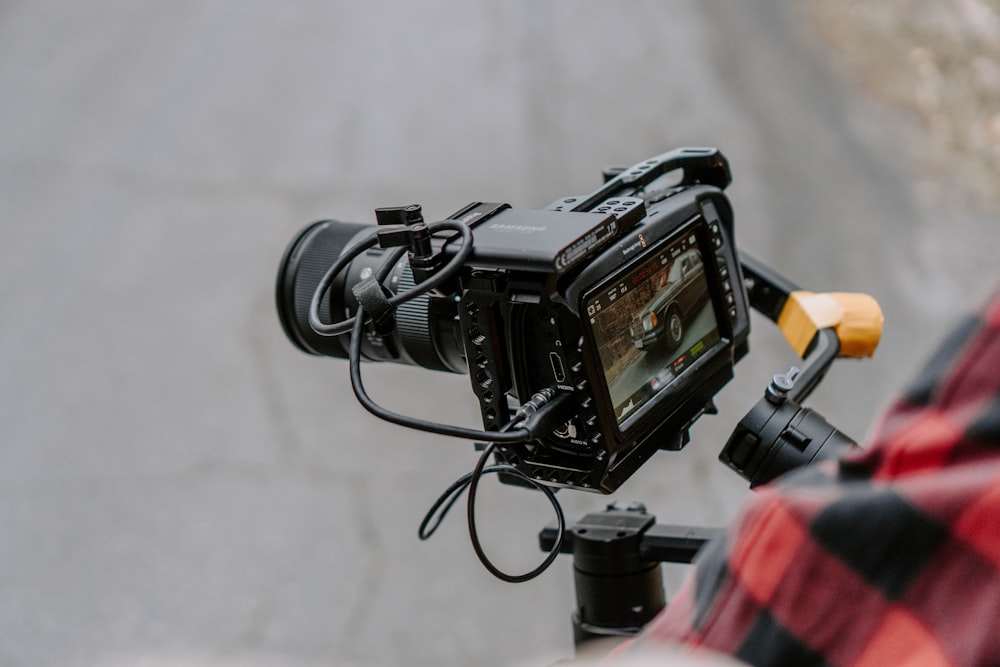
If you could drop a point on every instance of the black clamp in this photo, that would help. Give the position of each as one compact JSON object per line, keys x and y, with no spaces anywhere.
{"x":409,"y":231}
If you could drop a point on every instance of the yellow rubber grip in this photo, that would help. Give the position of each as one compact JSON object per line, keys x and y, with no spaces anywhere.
{"x":857,"y":319}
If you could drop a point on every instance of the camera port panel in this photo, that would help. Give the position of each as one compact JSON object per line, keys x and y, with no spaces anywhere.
{"x":552,"y":358}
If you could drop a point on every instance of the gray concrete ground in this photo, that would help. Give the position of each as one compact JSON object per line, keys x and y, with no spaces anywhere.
{"x":178,"y":485}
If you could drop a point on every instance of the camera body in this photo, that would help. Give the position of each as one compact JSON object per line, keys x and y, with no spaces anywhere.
{"x":628,"y":302}
{"x":642,"y":337}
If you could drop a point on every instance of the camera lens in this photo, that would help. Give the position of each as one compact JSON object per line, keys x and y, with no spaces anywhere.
{"x":427,"y":333}
{"x":306,"y":260}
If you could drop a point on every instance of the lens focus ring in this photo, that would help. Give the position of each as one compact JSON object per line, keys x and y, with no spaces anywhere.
{"x":413,"y":321}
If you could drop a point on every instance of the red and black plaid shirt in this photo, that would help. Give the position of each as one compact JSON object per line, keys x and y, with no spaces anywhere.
{"x":890,"y":557}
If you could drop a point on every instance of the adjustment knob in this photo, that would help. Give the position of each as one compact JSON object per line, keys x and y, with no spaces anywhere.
{"x":781,"y":384}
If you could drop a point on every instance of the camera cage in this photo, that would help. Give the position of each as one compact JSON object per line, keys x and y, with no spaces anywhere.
{"x":540,"y":297}
{"x":522,"y":280}
{"x":586,"y":254}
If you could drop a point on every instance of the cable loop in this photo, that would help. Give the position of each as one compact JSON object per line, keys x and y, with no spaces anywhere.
{"x":477,"y":473}
{"x":436,"y":514}
{"x":437,"y":278}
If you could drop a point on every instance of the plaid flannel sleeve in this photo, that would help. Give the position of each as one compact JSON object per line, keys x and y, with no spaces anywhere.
{"x":888,"y":557}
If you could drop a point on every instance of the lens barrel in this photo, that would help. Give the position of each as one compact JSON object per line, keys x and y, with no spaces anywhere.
{"x":306,"y":260}
{"x":427,"y":333}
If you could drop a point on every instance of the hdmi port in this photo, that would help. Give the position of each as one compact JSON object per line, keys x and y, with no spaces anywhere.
{"x":558,"y":371}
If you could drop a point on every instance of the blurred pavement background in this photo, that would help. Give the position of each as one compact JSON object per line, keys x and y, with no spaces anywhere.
{"x":179,"y":485}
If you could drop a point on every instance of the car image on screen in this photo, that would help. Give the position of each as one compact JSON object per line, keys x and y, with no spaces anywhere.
{"x":682,"y":293}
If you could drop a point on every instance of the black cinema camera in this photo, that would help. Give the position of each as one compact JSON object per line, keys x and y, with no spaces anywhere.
{"x":625,"y":309}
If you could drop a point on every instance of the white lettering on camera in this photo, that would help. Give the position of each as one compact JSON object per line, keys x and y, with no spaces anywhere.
{"x":522,"y":229}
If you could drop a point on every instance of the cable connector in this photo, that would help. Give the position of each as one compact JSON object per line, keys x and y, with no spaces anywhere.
{"x":545,"y":411}
{"x":534,"y":404}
